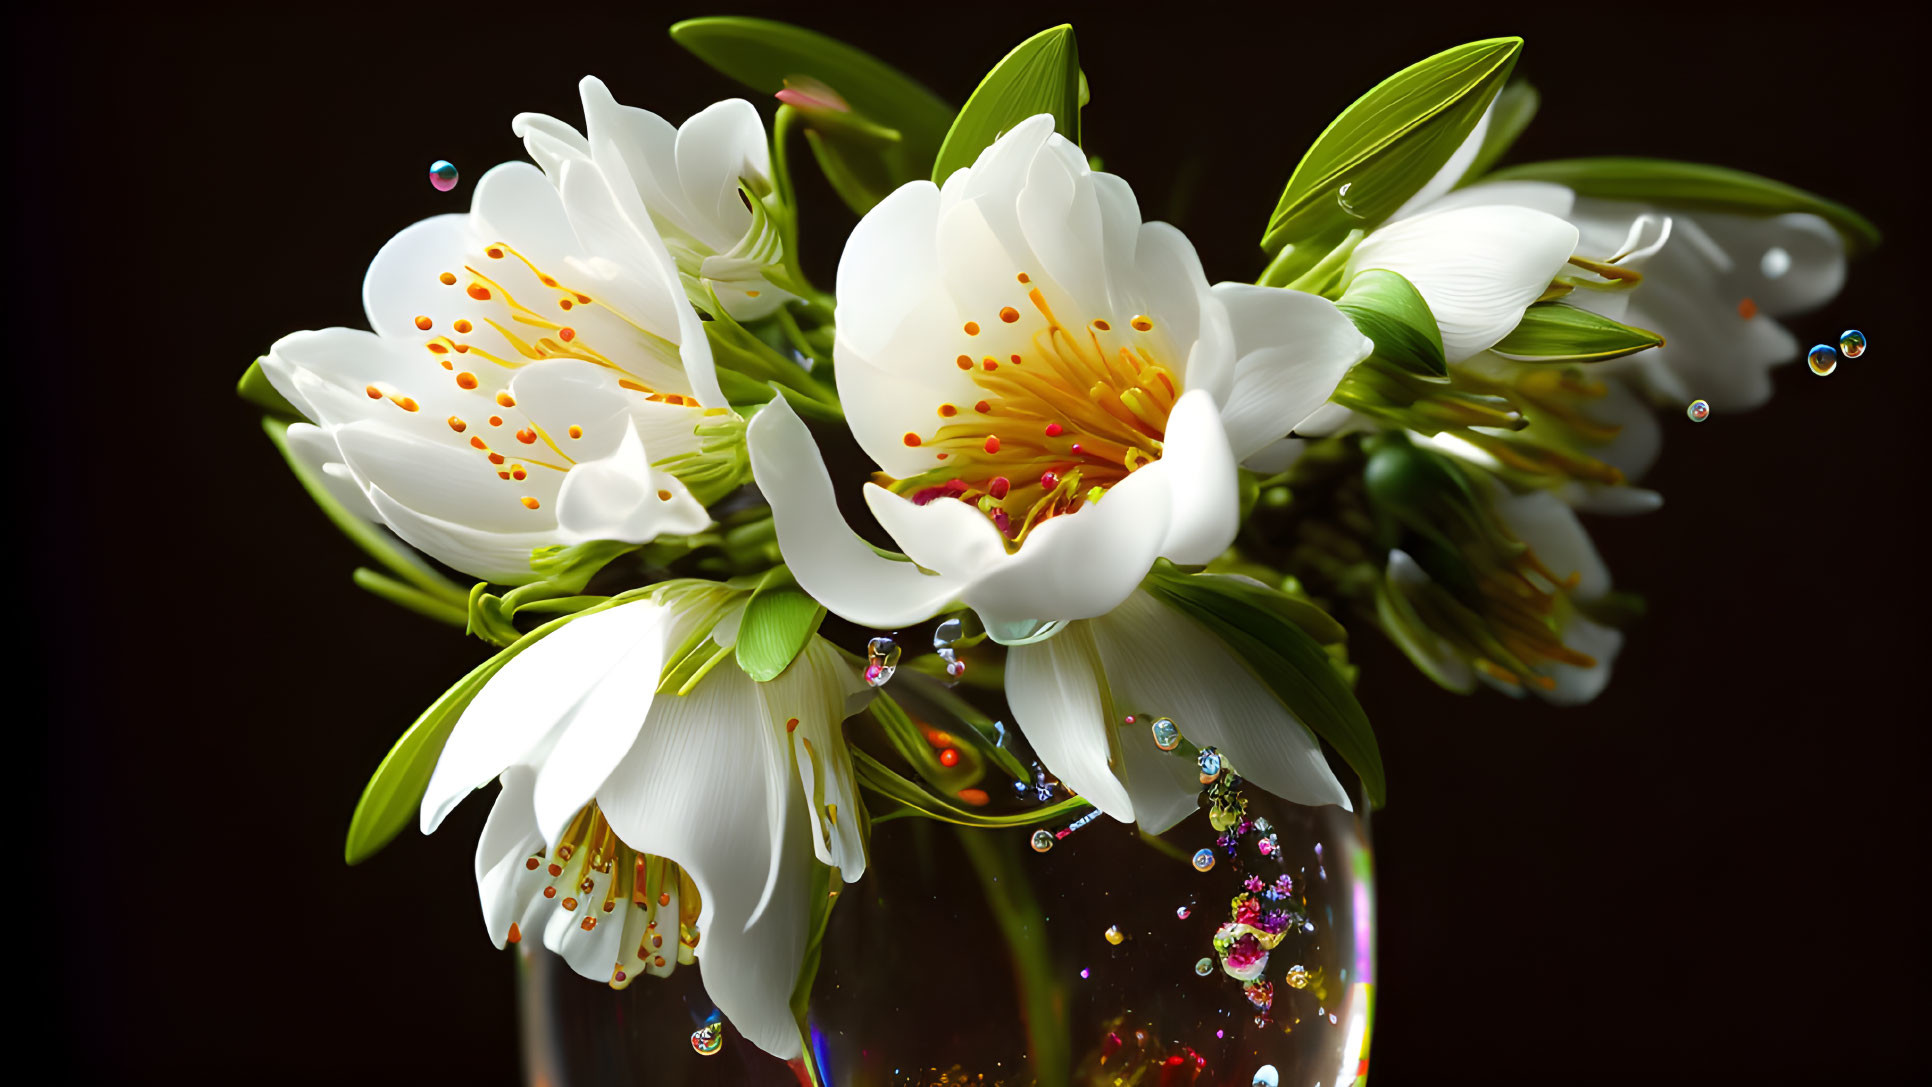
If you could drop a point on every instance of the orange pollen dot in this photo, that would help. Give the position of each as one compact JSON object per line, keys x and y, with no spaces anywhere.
{"x":569,"y":903}
{"x":424,"y":323}
{"x":466,"y":380}
{"x":527,"y":436}
{"x":992,"y":443}
{"x":516,"y":934}
{"x":1747,"y":309}
{"x":664,"y":898}
{"x":517,"y":472}
{"x":791,"y":725}
{"x":374,"y":393}
{"x":479,"y":292}
{"x":983,"y":407}
{"x":406,"y":404}
{"x":549,"y":892}
{"x":912,"y":439}
{"x":564,"y":303}
{"x":503,"y":475}
{"x":659,"y":961}
{"x":462,"y":326}
{"x":948,"y":411}
{"x":1101,"y":325}
{"x":576,"y":432}
{"x":556,"y":870}
{"x":448,"y":365}
{"x":496,"y":420}
{"x":989,"y":364}
{"x":752,"y":294}
{"x":1014,"y":359}
{"x":496,"y":458}
{"x":1009,"y":315}
{"x":494,"y":252}
{"x":1141,"y":324}
{"x":531,"y":864}
{"x":546,"y":281}
{"x":479,"y":443}
{"x":1023,"y":278}
{"x":949,"y":757}
{"x":457,"y":425}
{"x":965,"y":362}
{"x":566,"y":334}
{"x":504,"y":400}
{"x":589,"y":923}
{"x":664,"y":496}
{"x":972,"y":328}
{"x":448,"y":279}
{"x":437,"y":349}
{"x":530,"y":503}
{"x":462,"y":348}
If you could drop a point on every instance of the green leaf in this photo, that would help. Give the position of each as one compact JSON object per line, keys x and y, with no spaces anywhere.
{"x":1695,"y":186}
{"x":375,"y":541}
{"x":1040,"y":75}
{"x":1515,"y":109}
{"x":1553,"y":331}
{"x":254,"y":387}
{"x":1389,"y":310}
{"x":1391,"y":141}
{"x":762,"y":54}
{"x":914,"y":800}
{"x":1289,"y":662}
{"x":778,"y":622}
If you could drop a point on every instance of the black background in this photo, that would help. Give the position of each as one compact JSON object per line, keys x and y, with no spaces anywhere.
{"x":1705,"y":876}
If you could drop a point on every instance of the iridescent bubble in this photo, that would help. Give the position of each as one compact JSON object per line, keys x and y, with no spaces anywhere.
{"x":1203,"y":860}
{"x":1698,"y":411}
{"x":1166,"y":736}
{"x":1342,"y":201}
{"x":1266,"y":1076}
{"x":1114,"y":935}
{"x":1851,"y":343}
{"x":1210,"y":761}
{"x":1823,"y":360}
{"x":1204,"y":967}
{"x":1042,"y":841}
{"x":708,"y":1039}
{"x":881,"y":660}
{"x":1182,"y":912}
{"x":442,"y":174}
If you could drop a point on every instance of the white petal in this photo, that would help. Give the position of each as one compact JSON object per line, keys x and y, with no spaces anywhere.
{"x":1540,"y":196}
{"x":621,"y":497}
{"x":499,"y":557}
{"x":716,"y":148}
{"x":1163,"y":664}
{"x":1054,"y":688}
{"x":1206,"y":497}
{"x":509,"y":836}
{"x":1811,"y":270}
{"x":815,"y":691}
{"x":888,"y":263}
{"x":1292,"y":349}
{"x":1477,"y":267}
{"x":944,"y":535}
{"x":1451,"y":172}
{"x":1575,"y":686}
{"x":516,"y":710}
{"x":833,"y":565}
{"x":1552,"y":531}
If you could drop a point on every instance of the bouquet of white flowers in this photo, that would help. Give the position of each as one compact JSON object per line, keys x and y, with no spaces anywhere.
{"x":1121,"y":518}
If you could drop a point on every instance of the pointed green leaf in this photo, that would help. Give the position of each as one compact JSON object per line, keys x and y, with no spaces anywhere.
{"x":1391,"y":141}
{"x":762,"y":54}
{"x":254,"y":387}
{"x":1554,"y":331}
{"x":1291,"y":664}
{"x":1389,"y":310}
{"x":1515,"y":108}
{"x":777,"y":624}
{"x":1694,"y":186}
{"x":1041,"y":75}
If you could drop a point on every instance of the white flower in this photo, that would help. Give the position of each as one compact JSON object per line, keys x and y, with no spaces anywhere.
{"x":635,"y":826}
{"x":1071,"y":693}
{"x":690,"y":179}
{"x":1055,"y":392}
{"x":531,"y":361}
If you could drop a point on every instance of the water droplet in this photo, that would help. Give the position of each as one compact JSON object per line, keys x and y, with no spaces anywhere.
{"x":1084,"y":972}
{"x":948,"y":634}
{"x":1203,"y":860}
{"x":1204,"y":967}
{"x":1182,"y":912}
{"x":1823,"y":360}
{"x":1042,"y":841}
{"x":1342,"y":201}
{"x":1166,"y":736}
{"x":1114,"y":935}
{"x":708,"y":1039}
{"x":881,"y":660}
{"x":1698,"y":411}
{"x":1210,"y":762}
{"x":1266,"y":1076}
{"x":442,"y":174}
{"x":955,"y":667}
{"x":1775,"y":262}
{"x":1296,"y":977}
{"x":1851,"y":343}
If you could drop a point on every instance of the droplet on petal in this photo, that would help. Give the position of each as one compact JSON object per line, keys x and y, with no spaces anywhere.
{"x":1166,"y":736}
{"x":1851,"y":343}
{"x":1698,"y":411}
{"x":442,"y":174}
{"x":1210,"y":762}
{"x":1823,"y":360}
{"x":1342,"y":201}
{"x":881,"y":660}
{"x":1203,"y":860}
{"x":1042,"y":841}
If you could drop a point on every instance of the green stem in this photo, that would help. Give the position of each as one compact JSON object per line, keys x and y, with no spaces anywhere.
{"x":1316,"y":279}
{"x":995,"y":859}
{"x":405,"y":596}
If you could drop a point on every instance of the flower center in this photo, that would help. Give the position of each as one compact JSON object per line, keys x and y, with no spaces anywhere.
{"x":1066,"y":415}
{"x":594,"y":879}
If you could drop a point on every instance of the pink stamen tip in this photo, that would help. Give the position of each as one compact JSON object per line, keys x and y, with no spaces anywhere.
{"x":1049,"y":480}
{"x":1053,"y":430}
{"x":998,"y":487}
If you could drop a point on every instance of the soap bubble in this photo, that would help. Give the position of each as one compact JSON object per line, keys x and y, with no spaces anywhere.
{"x":442,"y":174}
{"x":1851,"y":343}
{"x":1823,"y":360}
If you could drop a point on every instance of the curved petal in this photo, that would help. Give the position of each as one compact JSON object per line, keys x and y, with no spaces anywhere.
{"x":1574,"y":685}
{"x":1477,"y":267}
{"x":815,"y":692}
{"x":621,"y":497}
{"x":1163,"y":664}
{"x":1451,"y":172}
{"x":718,"y":147}
{"x":1206,"y":497}
{"x":502,"y":558}
{"x":1543,"y":196}
{"x":1055,"y":689}
{"x":945,"y":535}
{"x":833,"y":565}
{"x":502,"y":882}
{"x":1552,"y":531}
{"x":1292,"y":349}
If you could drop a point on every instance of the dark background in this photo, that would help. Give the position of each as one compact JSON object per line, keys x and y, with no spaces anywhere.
{"x":1708,"y":875}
